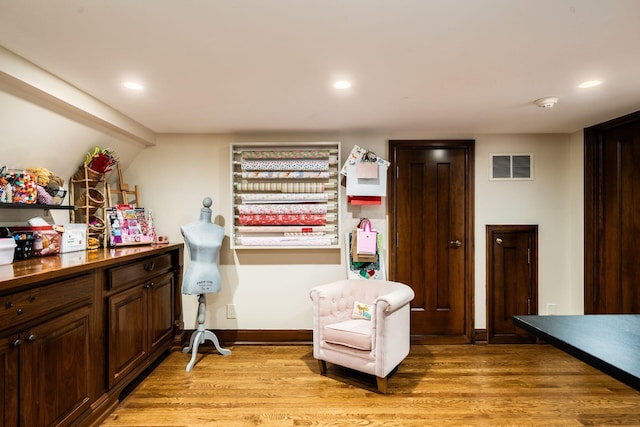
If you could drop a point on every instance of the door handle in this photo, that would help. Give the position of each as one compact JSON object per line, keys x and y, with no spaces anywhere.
{"x":498,"y":240}
{"x":455,"y":244}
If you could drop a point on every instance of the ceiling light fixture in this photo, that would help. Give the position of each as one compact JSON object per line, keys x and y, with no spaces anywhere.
{"x":342,"y":84}
{"x":548,"y":102}
{"x":590,"y":83}
{"x":133,"y":86}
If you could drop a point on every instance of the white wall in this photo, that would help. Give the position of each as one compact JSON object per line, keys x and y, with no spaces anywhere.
{"x":270,"y":287}
{"x":549,"y":201}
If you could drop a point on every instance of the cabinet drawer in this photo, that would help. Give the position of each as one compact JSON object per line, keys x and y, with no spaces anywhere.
{"x":139,"y":271}
{"x":27,"y":305}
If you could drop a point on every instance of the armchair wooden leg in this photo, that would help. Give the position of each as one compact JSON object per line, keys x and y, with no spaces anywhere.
{"x":382,"y":385}
{"x":323,"y":367}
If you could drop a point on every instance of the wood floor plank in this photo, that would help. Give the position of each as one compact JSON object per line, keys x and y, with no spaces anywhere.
{"x":459,"y":385}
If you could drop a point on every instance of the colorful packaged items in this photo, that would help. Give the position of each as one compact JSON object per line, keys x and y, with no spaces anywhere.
{"x":46,"y":240}
{"x":24,"y":188}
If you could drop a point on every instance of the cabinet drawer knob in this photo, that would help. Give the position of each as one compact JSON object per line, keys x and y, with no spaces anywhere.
{"x":31,"y":298}
{"x":31,"y":338}
{"x":150,"y":266}
{"x":17,"y":343}
{"x":8,"y":304}
{"x":20,"y":311}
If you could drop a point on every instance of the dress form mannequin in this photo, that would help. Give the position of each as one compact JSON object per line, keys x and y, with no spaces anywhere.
{"x":203,"y":239}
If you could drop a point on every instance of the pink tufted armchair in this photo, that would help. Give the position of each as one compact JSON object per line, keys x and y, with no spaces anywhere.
{"x":344,"y":335}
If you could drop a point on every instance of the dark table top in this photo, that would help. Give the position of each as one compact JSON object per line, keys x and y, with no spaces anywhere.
{"x":610,"y":343}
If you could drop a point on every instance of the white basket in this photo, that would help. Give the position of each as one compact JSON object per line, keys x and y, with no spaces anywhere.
{"x":7,"y":248}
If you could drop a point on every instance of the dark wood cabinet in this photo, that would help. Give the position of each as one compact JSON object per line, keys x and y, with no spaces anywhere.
{"x":77,"y":328}
{"x":46,"y":353}
{"x":140,"y":313}
{"x":127,"y":325}
{"x":55,"y":370}
{"x":9,"y":380}
{"x":160,"y":303}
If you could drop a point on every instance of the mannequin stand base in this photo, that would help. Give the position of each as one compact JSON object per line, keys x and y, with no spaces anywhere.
{"x":200,"y":336}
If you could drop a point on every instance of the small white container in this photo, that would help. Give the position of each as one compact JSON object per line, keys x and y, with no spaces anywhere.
{"x":7,"y":248}
{"x":74,"y":238}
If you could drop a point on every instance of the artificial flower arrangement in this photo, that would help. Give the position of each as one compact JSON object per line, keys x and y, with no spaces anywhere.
{"x":101,"y":160}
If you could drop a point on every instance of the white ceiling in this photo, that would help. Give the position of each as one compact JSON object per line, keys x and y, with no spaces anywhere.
{"x":217,"y":66}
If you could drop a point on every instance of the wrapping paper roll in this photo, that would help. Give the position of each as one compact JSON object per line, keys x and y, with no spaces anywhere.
{"x":282,"y":209}
{"x":284,"y":187}
{"x":284,"y":154}
{"x":285,"y":175}
{"x":284,"y":228}
{"x":285,"y":241}
{"x":285,"y":165}
{"x":312,"y":219}
{"x":283,"y":197}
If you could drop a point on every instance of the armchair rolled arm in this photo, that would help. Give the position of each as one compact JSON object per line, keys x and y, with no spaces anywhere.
{"x":396,"y":298}
{"x":329,"y":290}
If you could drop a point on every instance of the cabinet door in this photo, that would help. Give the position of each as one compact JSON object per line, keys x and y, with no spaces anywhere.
{"x":9,"y":381}
{"x":160,"y":311}
{"x":55,"y":370}
{"x":128,"y":345}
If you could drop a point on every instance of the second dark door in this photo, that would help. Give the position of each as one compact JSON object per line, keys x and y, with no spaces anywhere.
{"x":512,"y":285}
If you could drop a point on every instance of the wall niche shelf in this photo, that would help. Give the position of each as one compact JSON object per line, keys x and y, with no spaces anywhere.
{"x":286,"y":195}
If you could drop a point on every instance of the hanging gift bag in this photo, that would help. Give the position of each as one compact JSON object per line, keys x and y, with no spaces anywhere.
{"x":367,"y":239}
{"x":359,"y":258}
{"x":367,"y":167}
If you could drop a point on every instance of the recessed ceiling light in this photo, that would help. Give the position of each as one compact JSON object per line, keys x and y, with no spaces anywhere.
{"x":133,"y":85}
{"x":590,"y":83}
{"x":342,"y":84}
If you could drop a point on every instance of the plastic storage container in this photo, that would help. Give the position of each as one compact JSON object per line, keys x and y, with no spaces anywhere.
{"x":24,"y":244}
{"x":46,"y":240}
{"x":7,"y":250}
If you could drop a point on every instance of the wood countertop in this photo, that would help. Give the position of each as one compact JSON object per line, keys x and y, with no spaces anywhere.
{"x":50,"y":267}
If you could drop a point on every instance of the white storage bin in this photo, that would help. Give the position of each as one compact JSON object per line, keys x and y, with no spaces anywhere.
{"x":7,"y":248}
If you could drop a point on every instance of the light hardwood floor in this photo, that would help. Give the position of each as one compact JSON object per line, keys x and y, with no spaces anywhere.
{"x":462,"y":385}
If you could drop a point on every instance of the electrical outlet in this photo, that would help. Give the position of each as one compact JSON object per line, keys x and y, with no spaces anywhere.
{"x":551,"y":309}
{"x":231,"y":311}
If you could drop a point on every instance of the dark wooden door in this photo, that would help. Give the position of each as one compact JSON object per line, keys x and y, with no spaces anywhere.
{"x":128,"y":339}
{"x":431,"y":235}
{"x":612,"y":216}
{"x":55,"y":365}
{"x":160,"y":311}
{"x":511,"y":280}
{"x":9,"y":380}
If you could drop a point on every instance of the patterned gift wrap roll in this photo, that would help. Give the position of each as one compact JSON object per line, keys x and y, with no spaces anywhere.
{"x":283,"y":209}
{"x":302,"y":187}
{"x":285,"y":154}
{"x":284,"y":197}
{"x":284,"y":241}
{"x":285,"y":165}
{"x":284,"y":229}
{"x":300,"y":219}
{"x":285,"y":175}
{"x":284,"y":187}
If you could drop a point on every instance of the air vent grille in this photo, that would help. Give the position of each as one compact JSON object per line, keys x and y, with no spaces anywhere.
{"x":511,"y":166}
